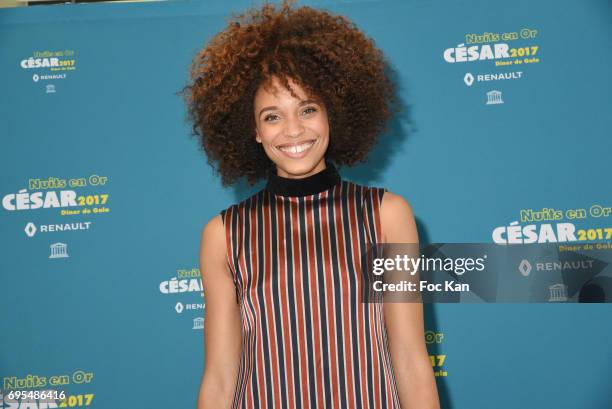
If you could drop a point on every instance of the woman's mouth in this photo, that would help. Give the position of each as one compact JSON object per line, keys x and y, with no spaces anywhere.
{"x":296,"y":150}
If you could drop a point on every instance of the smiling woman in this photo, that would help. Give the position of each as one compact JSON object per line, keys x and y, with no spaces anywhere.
{"x":288,"y":95}
{"x":326,"y":56}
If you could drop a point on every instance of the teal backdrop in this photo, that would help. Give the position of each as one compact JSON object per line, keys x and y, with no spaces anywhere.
{"x":507,"y":113}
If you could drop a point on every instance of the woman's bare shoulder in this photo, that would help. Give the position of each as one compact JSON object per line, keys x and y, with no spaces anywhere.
{"x":395,"y":201}
{"x":212,"y":245}
{"x":214,"y":228}
{"x":397,"y":218}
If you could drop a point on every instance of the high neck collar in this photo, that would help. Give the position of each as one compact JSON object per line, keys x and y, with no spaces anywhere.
{"x":308,"y":185}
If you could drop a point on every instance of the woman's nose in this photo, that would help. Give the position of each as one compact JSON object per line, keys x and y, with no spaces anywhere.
{"x":294,"y":128}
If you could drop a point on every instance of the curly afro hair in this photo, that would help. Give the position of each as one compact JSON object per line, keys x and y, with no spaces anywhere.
{"x":327,"y":55}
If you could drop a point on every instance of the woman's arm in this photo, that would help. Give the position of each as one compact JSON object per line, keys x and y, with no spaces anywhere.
{"x":222,"y":337}
{"x":404,"y":320}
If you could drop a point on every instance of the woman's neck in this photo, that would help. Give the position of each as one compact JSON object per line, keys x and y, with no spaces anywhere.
{"x":309,"y":185}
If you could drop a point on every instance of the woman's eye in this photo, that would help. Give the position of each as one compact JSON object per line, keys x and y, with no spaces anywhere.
{"x":274,"y":117}
{"x":268,"y":117}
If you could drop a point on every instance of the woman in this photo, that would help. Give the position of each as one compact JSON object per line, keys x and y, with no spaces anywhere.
{"x":287,"y":95}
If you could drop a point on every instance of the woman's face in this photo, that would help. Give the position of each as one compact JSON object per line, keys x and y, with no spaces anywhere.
{"x":294,"y":132}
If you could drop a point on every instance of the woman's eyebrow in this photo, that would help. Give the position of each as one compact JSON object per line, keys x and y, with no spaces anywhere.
{"x":308,"y":101}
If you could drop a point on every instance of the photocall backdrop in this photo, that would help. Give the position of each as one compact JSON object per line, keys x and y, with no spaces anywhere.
{"x":104,"y":194}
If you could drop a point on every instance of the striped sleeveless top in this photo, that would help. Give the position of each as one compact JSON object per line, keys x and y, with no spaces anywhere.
{"x":308,"y":341}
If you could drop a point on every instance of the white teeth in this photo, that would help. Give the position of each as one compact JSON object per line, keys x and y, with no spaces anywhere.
{"x":296,"y":149}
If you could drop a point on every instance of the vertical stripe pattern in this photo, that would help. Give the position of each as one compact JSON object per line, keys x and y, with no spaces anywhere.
{"x":308,"y":339}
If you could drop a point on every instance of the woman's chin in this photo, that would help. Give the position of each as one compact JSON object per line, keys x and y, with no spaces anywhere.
{"x":297,"y":168}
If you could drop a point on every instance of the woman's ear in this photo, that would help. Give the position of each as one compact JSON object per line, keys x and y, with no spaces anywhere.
{"x":257,"y":138}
